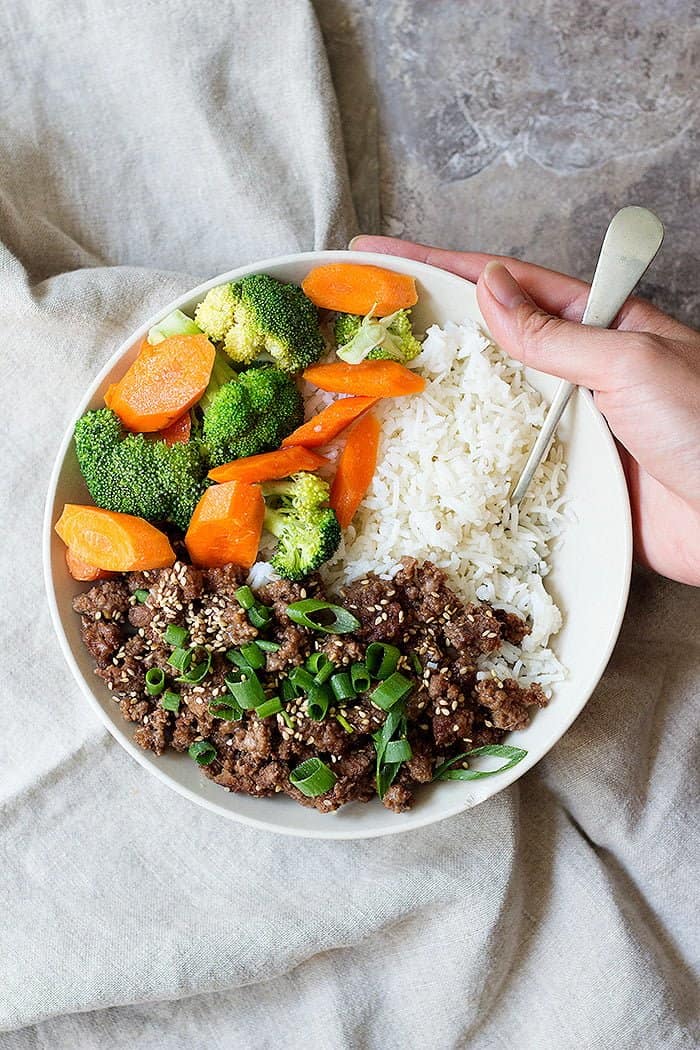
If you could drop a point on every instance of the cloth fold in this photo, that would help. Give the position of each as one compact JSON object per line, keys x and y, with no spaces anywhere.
{"x":147,"y":145}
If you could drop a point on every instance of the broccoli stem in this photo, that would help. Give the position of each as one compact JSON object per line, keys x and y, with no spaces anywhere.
{"x":221,"y":374}
{"x":275,"y":521}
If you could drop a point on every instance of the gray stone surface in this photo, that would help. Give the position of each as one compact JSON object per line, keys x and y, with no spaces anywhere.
{"x":521,"y":127}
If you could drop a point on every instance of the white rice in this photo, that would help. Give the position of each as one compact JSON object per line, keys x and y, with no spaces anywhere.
{"x":447,"y":461}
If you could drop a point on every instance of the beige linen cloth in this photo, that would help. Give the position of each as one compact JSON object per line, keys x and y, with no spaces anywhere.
{"x":146,"y":145}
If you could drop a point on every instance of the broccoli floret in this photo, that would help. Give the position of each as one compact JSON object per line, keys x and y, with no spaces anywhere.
{"x":258,"y":315}
{"x":248,"y":413}
{"x":307,"y":530}
{"x":182,"y":470}
{"x":306,"y":492}
{"x":217,"y":312}
{"x":346,"y":328}
{"x":371,"y":337}
{"x":135,"y":475}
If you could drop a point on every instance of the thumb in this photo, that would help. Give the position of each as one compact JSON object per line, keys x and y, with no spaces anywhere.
{"x":572,"y":351}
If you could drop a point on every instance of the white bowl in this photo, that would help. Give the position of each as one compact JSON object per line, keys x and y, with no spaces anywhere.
{"x":589,"y":579}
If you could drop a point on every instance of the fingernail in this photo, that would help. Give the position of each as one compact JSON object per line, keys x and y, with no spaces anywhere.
{"x":352,"y":242}
{"x":502,"y":285}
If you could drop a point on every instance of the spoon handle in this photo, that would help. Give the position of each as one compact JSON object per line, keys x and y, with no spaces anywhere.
{"x":632,"y":240}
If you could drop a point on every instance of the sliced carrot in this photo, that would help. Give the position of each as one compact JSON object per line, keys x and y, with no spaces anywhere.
{"x":164,"y":381}
{"x":80,"y":570}
{"x":369,"y":378}
{"x":353,"y":288}
{"x":356,"y":468}
{"x":325,"y":426}
{"x":268,"y":466}
{"x":179,"y":431}
{"x":226,"y":526}
{"x":117,"y":542}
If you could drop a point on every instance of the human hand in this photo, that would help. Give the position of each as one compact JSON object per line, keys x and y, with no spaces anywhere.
{"x":644,"y":374}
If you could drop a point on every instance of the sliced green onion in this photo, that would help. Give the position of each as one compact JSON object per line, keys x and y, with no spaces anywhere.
{"x":254,"y":655}
{"x":288,"y":690}
{"x":181,"y":659}
{"x":272,"y":706}
{"x":322,"y":616}
{"x":175,"y":636}
{"x":316,"y":662}
{"x":397,"y":751}
{"x":394,"y":723}
{"x":245,"y":597}
{"x":513,"y":754}
{"x":259,"y":616}
{"x":267,"y":647}
{"x":325,"y":673}
{"x":417,"y":665}
{"x":313,"y":778}
{"x":202,"y":751}
{"x":391,"y":691}
{"x":287,"y":718}
{"x":341,"y":720}
{"x":155,"y":681}
{"x":301,"y":678}
{"x":196,"y":674}
{"x":225,"y":707}
{"x":382,"y":660}
{"x":236,"y":657}
{"x":141,"y":595}
{"x":170,"y":701}
{"x":359,"y":675}
{"x":342,"y":686}
{"x":318,"y":702}
{"x":249,"y":693}
{"x":233,"y":678}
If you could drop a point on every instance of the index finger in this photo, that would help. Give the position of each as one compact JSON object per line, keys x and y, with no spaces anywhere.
{"x":556,"y":293}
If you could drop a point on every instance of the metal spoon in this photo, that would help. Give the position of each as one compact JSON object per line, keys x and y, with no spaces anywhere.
{"x":632,"y":240}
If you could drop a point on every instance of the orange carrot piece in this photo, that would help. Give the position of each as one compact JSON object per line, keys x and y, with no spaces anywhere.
{"x":369,"y":378}
{"x":353,"y":288}
{"x":117,"y":542}
{"x":356,"y":468}
{"x":330,"y":422}
{"x":268,"y":465}
{"x":226,"y":526}
{"x":179,"y":431}
{"x":164,"y":382}
{"x":80,"y":570}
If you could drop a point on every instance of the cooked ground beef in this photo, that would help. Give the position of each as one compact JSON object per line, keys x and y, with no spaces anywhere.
{"x":451,"y":709}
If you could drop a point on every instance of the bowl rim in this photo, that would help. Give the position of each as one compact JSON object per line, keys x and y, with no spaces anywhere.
{"x":414,"y":821}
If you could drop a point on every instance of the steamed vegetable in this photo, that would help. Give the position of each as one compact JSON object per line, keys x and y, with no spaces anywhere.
{"x":176,"y":323}
{"x":356,"y":289}
{"x":306,"y":528}
{"x":80,"y":570}
{"x":369,"y":378}
{"x":117,"y":542}
{"x":329,"y":423}
{"x":226,"y":526}
{"x":248,"y":413}
{"x":376,"y":338}
{"x":356,"y":468}
{"x":257,"y":316}
{"x":178,"y":432}
{"x":268,"y":466}
{"x":132,"y":474}
{"x":164,"y":381}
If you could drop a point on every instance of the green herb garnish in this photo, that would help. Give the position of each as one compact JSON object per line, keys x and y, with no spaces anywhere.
{"x":513,"y":754}
{"x":313,"y":778}
{"x":322,"y":616}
